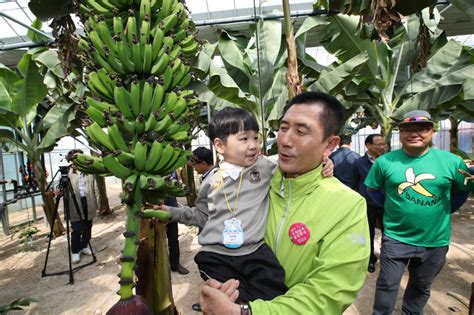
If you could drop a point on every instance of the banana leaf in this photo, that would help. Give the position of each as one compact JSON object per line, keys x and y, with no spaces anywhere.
{"x":30,"y":89}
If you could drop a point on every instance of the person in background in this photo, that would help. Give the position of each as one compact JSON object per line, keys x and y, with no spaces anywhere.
{"x":419,"y":187}
{"x":343,"y":159}
{"x":172,"y":235}
{"x":316,"y":226}
{"x":86,"y":193}
{"x":375,"y":145}
{"x":202,"y":161}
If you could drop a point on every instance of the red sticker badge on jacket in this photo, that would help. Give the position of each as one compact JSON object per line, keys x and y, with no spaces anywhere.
{"x":299,"y":233}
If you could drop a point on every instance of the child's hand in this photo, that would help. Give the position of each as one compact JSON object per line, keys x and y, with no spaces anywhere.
{"x":161,"y":207}
{"x":328,"y":167}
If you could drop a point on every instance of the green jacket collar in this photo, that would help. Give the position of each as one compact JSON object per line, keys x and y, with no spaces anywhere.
{"x":298,"y":186}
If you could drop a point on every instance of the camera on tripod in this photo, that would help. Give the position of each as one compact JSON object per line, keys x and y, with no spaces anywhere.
{"x":64,"y":170}
{"x":66,"y":192}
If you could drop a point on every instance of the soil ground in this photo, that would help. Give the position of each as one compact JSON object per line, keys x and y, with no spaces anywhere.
{"x":95,"y":286}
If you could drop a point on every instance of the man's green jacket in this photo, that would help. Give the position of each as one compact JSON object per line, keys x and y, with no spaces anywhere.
{"x":325,"y":274}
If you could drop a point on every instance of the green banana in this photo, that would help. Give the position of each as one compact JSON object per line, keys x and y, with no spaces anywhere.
{"x":140,"y":124}
{"x":185,"y":81}
{"x":147,"y":58}
{"x":137,"y":56}
{"x":166,"y":155}
{"x":153,"y":156}
{"x":170,"y":101}
{"x":104,"y":34}
{"x":83,"y":44}
{"x":98,"y":87}
{"x":97,"y":42}
{"x":101,"y":61}
{"x":140,"y":152}
{"x":168,"y":42}
{"x":177,"y":127}
{"x":145,"y":32}
{"x":190,"y":50}
{"x":157,"y":43}
{"x":154,"y":182}
{"x":187,"y":41}
{"x":169,"y":22}
{"x":179,"y":107}
{"x":161,"y":215}
{"x":179,"y":74}
{"x":116,"y":137}
{"x":103,"y":76}
{"x":184,"y":25}
{"x":124,"y":157}
{"x":171,"y":163}
{"x":147,"y":96}
{"x":174,"y":53}
{"x":130,"y":182}
{"x":135,"y":97}
{"x":131,"y":29}
{"x":124,"y":56}
{"x":118,"y":27}
{"x":167,"y":78}
{"x":180,"y":35}
{"x":99,"y":9}
{"x":100,"y":106}
{"x":166,"y":7}
{"x":180,"y":136}
{"x":163,"y":124}
{"x":180,"y":161}
{"x":160,"y":66}
{"x":115,"y":167}
{"x":99,"y":136}
{"x":145,"y":9}
{"x":158,"y":95}
{"x":151,"y":122}
{"x":95,"y":115}
{"x":122,"y":101}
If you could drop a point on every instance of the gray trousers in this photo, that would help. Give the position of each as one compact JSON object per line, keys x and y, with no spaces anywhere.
{"x":424,"y":264}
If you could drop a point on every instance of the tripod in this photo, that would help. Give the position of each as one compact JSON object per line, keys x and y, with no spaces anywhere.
{"x":65,"y":190}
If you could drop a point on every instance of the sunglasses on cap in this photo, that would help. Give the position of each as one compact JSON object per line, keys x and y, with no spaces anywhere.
{"x":417,"y":118}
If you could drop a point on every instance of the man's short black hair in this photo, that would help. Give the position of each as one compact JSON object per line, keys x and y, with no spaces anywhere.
{"x":230,"y":121}
{"x":332,"y":112}
{"x":203,"y":154}
{"x":346,"y":139}
{"x":370,"y":138}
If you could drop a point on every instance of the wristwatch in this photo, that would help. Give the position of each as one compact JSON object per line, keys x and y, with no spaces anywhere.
{"x":245,"y":309}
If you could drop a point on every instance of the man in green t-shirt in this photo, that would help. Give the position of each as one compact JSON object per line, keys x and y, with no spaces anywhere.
{"x":418,"y":182}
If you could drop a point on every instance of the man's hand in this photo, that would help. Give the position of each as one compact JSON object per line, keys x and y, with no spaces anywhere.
{"x":328,"y":167}
{"x":229,"y":288}
{"x":218,"y":298}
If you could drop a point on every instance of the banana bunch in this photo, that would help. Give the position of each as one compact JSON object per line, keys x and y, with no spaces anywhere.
{"x":138,"y":113}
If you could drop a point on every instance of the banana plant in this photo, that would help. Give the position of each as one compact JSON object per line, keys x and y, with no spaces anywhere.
{"x":252,"y":73}
{"x":140,"y":114}
{"x":26,"y":107}
{"x":385,"y":86}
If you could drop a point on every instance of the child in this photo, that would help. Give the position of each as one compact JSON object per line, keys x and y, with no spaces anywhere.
{"x":231,"y":209}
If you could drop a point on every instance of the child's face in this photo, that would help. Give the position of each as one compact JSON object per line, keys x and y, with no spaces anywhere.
{"x":241,"y":148}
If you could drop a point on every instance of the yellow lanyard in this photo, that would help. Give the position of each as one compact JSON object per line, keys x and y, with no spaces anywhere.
{"x":221,"y":180}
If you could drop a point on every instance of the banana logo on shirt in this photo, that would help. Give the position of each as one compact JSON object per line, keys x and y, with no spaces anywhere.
{"x":415,"y":182}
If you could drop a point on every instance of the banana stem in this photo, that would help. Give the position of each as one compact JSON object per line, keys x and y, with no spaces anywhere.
{"x":129,"y":255}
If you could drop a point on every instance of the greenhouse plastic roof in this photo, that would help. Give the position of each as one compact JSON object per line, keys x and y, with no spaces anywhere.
{"x":209,"y":16}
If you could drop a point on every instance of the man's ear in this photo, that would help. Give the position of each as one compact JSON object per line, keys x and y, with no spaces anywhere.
{"x":333,"y":142}
{"x":219,"y":145}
